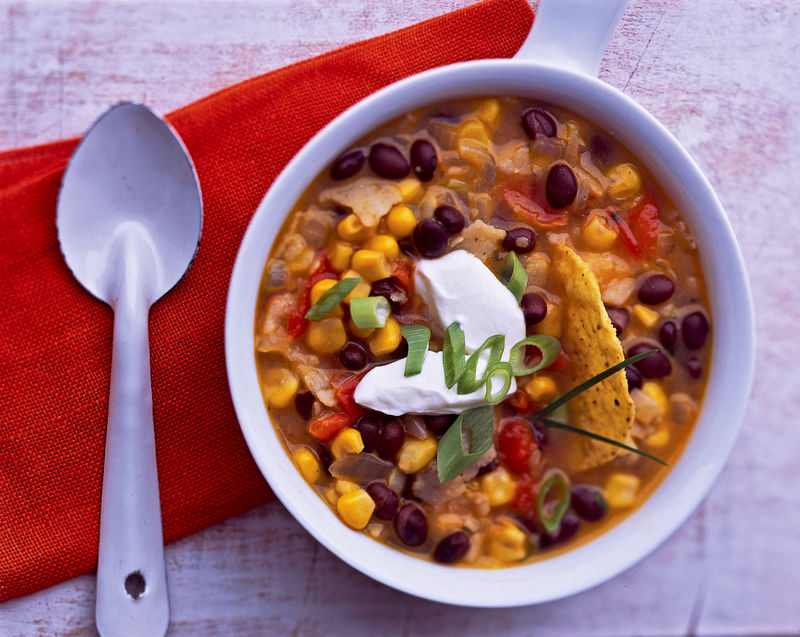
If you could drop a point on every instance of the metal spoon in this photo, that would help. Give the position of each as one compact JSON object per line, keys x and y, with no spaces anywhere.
{"x":129,"y":219}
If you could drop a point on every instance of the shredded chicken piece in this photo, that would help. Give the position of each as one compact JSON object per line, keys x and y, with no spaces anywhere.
{"x":428,"y":488}
{"x":537,"y":266}
{"x":515,"y":160}
{"x":368,"y":198}
{"x":481,"y":239}
{"x":314,"y":225}
{"x":617,"y":291}
{"x":606,"y":267}
{"x":471,"y":471}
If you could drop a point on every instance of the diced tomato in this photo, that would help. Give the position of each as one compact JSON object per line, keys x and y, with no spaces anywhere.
{"x":402,"y":270}
{"x":520,"y":402}
{"x":325,"y":428}
{"x":644,"y":222}
{"x":561,"y":362}
{"x":525,"y":496}
{"x":516,"y":444}
{"x":344,"y":394}
{"x":298,"y":323}
{"x":624,"y":232}
{"x":527,"y":210}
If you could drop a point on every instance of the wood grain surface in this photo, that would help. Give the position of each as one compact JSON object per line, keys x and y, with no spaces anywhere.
{"x":724,"y":77}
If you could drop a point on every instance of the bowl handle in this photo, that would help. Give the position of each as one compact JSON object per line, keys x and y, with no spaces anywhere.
{"x":572,"y":34}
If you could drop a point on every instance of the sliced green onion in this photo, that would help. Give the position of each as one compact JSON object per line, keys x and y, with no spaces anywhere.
{"x":503,"y":372}
{"x":550,"y":513}
{"x":513,"y":275}
{"x":469,"y":381}
{"x":593,"y":381}
{"x":453,"y":355}
{"x":418,"y":337}
{"x":547,"y":345}
{"x":560,"y":414}
{"x":331,"y":298}
{"x":560,"y":425}
{"x":369,"y":311}
{"x":451,"y":457}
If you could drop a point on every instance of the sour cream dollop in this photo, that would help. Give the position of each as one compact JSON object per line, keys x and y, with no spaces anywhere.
{"x":456,"y":287}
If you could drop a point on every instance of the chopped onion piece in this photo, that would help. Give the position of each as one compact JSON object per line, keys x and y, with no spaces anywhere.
{"x":360,"y":467}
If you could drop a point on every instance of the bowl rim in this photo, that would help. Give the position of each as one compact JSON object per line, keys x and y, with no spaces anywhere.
{"x":727,"y":391}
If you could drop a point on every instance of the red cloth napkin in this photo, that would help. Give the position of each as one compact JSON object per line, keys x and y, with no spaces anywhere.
{"x":55,"y":339}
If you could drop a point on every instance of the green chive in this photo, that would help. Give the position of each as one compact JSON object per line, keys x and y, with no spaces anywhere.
{"x":469,"y":381}
{"x":369,"y":311}
{"x":451,"y":459}
{"x":550,"y":514}
{"x":332,"y":298}
{"x":547,"y":345}
{"x":418,"y":337}
{"x":453,"y":356}
{"x":513,"y":275}
{"x":504,"y":373}
{"x":594,"y":436}
{"x":593,"y":381}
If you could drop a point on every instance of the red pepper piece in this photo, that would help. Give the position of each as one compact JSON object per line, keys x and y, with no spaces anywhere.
{"x":561,"y":362}
{"x":344,"y":394}
{"x":520,"y":402}
{"x":402,"y":271}
{"x":624,"y":232}
{"x":525,"y":496}
{"x":298,"y":323}
{"x":644,"y":222}
{"x":326,"y":428}
{"x":527,"y":210}
{"x":516,"y":444}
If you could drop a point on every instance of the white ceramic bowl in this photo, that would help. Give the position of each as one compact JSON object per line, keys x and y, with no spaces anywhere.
{"x":564,"y":51}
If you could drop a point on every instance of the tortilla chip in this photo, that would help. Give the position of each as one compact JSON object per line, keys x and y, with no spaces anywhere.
{"x":591,"y":342}
{"x":369,"y":199}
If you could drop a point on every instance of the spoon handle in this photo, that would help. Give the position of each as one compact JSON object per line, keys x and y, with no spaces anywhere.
{"x":131,"y":576}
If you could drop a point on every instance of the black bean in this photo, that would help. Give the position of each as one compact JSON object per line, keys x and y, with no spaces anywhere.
{"x":520,"y":240}
{"x":694,"y":328}
{"x":561,"y":186}
{"x":440,"y":423}
{"x":370,"y":429}
{"x":566,"y":530}
{"x":656,"y":289}
{"x":304,"y":403}
{"x":347,"y":165}
{"x":452,"y":548}
{"x":537,"y":121}
{"x":423,"y":160}
{"x":401,"y":351}
{"x":385,"y":499}
{"x":391,"y":290}
{"x":407,"y":248}
{"x":654,"y":366}
{"x":392,"y":436}
{"x":588,"y":502}
{"x":694,"y":367}
{"x":450,"y":217}
{"x":534,"y":308}
{"x":539,"y":434}
{"x":387,"y":162}
{"x":600,"y":148}
{"x":633,"y":377}
{"x":353,"y":356}
{"x":408,"y":487}
{"x":620,"y":317}
{"x":668,"y":334}
{"x":324,"y":455}
{"x":430,"y":238}
{"x":411,"y":525}
{"x":488,"y":467}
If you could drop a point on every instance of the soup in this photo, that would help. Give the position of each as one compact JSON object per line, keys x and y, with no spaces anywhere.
{"x":431,"y":300}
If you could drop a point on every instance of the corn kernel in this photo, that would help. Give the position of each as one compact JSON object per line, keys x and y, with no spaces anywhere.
{"x":359,"y":332}
{"x":345,"y":486}
{"x":621,"y":489}
{"x":653,"y":391}
{"x":597,"y":235}
{"x":415,"y":454}
{"x":281,"y":387}
{"x":385,"y":244}
{"x":326,"y":336}
{"x":384,"y":340}
{"x":347,"y":441}
{"x":371,"y":265}
{"x":551,"y":323}
{"x":319,"y":288}
{"x":301,"y":262}
{"x":658,"y":440}
{"x":362,"y":289}
{"x":625,"y":182}
{"x":411,"y":189}
{"x":401,"y":221}
{"x":351,"y":229}
{"x":541,"y":388}
{"x":308,"y":464}
{"x":339,"y":256}
{"x":507,"y":542}
{"x":498,"y":485}
{"x":356,"y":508}
{"x":489,"y":112}
{"x":473,"y":129}
{"x":645,"y":315}
{"x":331,"y":495}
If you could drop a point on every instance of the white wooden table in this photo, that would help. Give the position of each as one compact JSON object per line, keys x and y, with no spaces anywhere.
{"x":723,"y":76}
